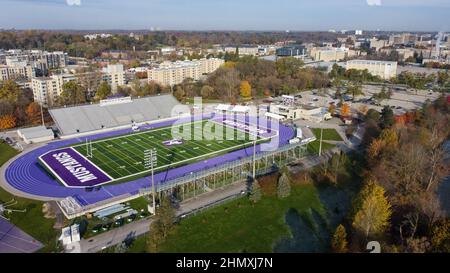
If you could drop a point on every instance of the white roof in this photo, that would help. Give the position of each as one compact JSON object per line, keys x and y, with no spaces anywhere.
{"x":273,"y":115}
{"x":240,"y":108}
{"x":35,"y":132}
{"x":223,"y":107}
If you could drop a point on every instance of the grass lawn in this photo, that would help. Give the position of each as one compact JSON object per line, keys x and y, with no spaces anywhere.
{"x":328,"y":134}
{"x":32,"y":221}
{"x":313,"y":147}
{"x":241,"y":226}
{"x":6,"y":152}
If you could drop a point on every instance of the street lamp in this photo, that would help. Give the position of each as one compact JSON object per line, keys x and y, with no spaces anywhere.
{"x":150,"y":161}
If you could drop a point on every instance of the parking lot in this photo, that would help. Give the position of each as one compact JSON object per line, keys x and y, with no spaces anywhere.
{"x":402,"y":99}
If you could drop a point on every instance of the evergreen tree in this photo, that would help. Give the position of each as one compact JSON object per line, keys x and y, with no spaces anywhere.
{"x":255,"y":193}
{"x":387,"y":117}
{"x":283,"y":186}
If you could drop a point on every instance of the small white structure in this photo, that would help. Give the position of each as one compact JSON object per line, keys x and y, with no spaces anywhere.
{"x":227,"y":108}
{"x":223,"y":108}
{"x":274,"y":116}
{"x":240,"y":109}
{"x":70,"y":235}
{"x":36,"y":134}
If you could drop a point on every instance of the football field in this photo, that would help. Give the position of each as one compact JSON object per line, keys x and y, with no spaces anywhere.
{"x":122,"y":157}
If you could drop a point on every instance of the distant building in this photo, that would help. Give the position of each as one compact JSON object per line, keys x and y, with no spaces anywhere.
{"x":47,"y":89}
{"x":328,"y":54}
{"x":291,"y":51}
{"x":358,"y":32}
{"x":114,"y":75}
{"x":378,"y":44}
{"x":168,"y":50}
{"x":383,"y":69}
{"x":244,"y":50}
{"x":171,"y":73}
{"x":295,"y":112}
{"x":16,"y":71}
{"x":402,"y":39}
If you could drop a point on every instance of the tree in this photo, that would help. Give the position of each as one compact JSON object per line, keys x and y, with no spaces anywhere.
{"x":7,"y":122}
{"x":283,"y":185}
{"x":161,"y":226}
{"x":103,"y":91}
{"x":10,"y":92}
{"x":255,"y":191}
{"x":371,"y":211}
{"x":179,"y":93}
{"x":355,"y":90}
{"x":33,"y":112}
{"x":206,"y":91}
{"x":387,"y":117}
{"x":442,"y":77}
{"x":339,"y":241}
{"x":332,"y":109}
{"x":372,"y":114}
{"x":440,"y":237}
{"x":246,"y":89}
{"x":345,"y":110}
{"x":288,"y":66}
{"x":337,"y":166}
{"x":73,"y":93}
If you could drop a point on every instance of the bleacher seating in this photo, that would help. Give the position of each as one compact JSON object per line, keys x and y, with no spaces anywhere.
{"x":93,"y":117}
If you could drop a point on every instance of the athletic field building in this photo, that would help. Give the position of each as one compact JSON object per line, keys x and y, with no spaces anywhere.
{"x":105,"y":153}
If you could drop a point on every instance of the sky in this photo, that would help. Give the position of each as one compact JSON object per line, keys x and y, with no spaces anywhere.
{"x":294,"y":15}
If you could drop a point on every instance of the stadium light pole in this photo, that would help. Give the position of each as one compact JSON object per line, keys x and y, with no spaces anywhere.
{"x":254,"y":160}
{"x":320,"y":144}
{"x":150,"y":160}
{"x":42,"y":110}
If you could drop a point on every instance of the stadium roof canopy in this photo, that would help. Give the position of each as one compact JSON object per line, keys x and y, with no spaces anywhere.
{"x":93,"y":117}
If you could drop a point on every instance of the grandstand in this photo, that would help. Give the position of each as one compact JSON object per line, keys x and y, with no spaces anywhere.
{"x":111,"y":114}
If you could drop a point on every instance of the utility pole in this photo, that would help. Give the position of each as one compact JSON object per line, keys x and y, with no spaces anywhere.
{"x":150,"y":160}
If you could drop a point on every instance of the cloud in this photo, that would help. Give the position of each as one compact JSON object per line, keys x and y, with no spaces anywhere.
{"x":374,"y":2}
{"x":73,"y":2}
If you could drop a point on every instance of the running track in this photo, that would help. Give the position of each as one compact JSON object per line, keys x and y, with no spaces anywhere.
{"x":26,"y":175}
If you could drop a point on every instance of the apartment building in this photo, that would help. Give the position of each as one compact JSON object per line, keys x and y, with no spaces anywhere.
{"x":378,"y":44}
{"x":114,"y":75}
{"x":244,"y":50}
{"x":16,"y":71}
{"x":47,"y":89}
{"x":402,"y":39}
{"x":383,"y":69}
{"x":171,"y":73}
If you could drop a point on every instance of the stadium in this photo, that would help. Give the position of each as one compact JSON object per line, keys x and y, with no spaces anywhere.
{"x":100,"y":157}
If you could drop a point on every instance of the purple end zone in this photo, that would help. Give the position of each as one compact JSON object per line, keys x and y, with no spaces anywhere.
{"x":73,"y":169}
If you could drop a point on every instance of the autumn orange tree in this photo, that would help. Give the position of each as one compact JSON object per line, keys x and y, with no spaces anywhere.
{"x":33,"y":112}
{"x":7,"y":122}
{"x":246,"y":89}
{"x":345,"y":110}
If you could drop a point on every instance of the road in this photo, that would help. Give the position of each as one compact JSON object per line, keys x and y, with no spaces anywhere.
{"x":118,"y":235}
